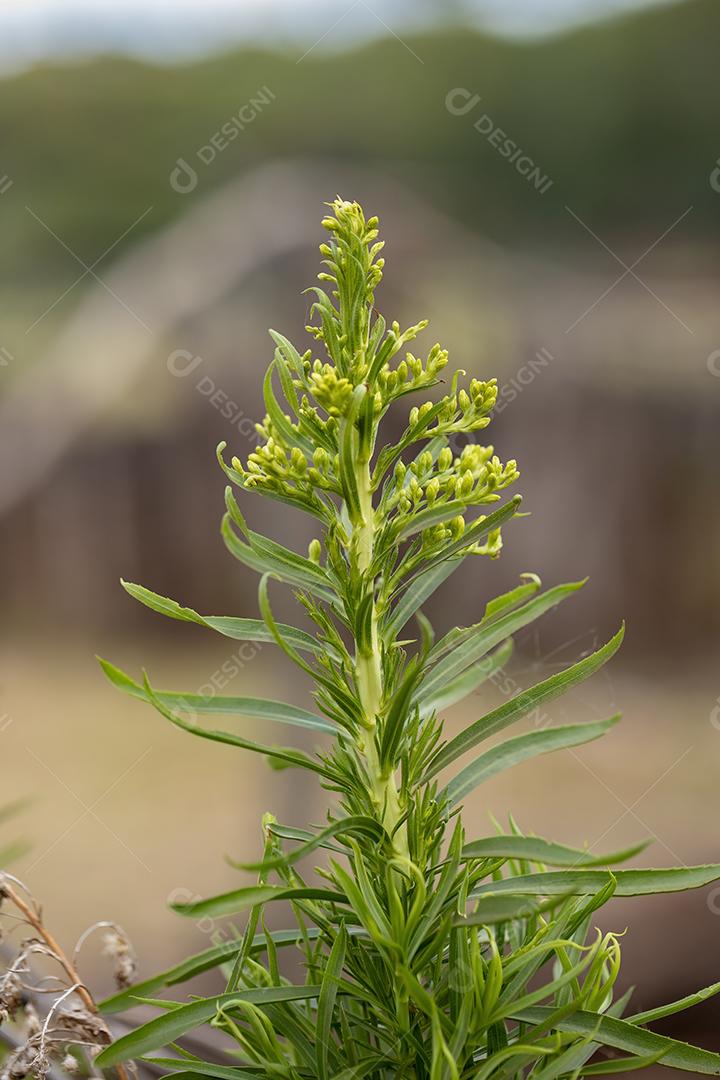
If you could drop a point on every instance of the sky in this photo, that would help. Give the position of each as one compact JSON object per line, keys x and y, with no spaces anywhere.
{"x":32,"y":30}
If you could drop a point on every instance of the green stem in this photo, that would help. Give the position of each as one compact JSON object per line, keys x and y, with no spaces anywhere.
{"x":369,"y":676}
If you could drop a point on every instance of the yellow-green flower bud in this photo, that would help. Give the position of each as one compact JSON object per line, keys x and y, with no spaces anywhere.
{"x":457,"y":527}
{"x":314,"y":551}
{"x":298,"y":460}
{"x":445,"y":458}
{"x":320,"y":458}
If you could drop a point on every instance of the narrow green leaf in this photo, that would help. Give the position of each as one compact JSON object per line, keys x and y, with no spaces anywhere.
{"x":587,"y":882}
{"x":622,"y":1035}
{"x":522,"y":704}
{"x":326,"y":1001}
{"x":467,"y":645}
{"x":509,"y":600}
{"x":236,"y":628}
{"x":290,"y":354}
{"x":196,"y":965}
{"x":286,"y":755}
{"x":396,"y":720}
{"x":284,"y":426}
{"x":220,"y":705}
{"x":371,"y":1063}
{"x":578,"y":1052}
{"x":673,"y":1007}
{"x":165,"y":1029}
{"x":356,"y":825}
{"x":363,"y":624}
{"x":268,"y":556}
{"x":201,"y":1069}
{"x":427,"y":633}
{"x":621,"y":1065}
{"x":535,"y":849}
{"x":434,"y":515}
{"x":467,"y":683}
{"x":568,"y":1063}
{"x":348,"y":454}
{"x":190,"y":1067}
{"x":288,"y":387}
{"x":522,"y":748}
{"x":496,"y":909}
{"x":425,"y":585}
{"x":231,"y":903}
{"x":274,"y":628}
{"x":549,"y":989}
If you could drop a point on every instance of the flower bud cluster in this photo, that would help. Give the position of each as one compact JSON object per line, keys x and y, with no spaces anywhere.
{"x":331,"y":391}
{"x":299,"y":456}
{"x":474,"y":477}
{"x":354,"y":268}
{"x":464,"y":411}
{"x":353,"y":237}
{"x":410,"y":374}
{"x":286,"y":470}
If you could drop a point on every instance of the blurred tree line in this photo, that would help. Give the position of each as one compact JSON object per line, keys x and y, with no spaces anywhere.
{"x":622,"y":115}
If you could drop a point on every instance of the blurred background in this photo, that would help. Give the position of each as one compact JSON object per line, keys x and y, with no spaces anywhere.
{"x":548,"y":181}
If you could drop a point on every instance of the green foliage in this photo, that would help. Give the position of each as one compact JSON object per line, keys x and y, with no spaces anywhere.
{"x":593,"y":106}
{"x":425,"y":954}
